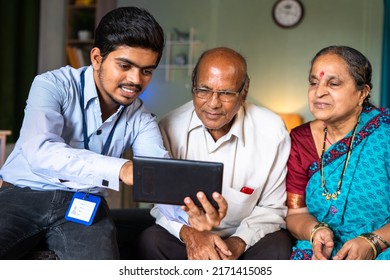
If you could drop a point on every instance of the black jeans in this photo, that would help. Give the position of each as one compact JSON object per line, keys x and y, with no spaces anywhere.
{"x":28,"y":216}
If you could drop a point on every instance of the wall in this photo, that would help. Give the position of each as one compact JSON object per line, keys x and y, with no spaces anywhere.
{"x":278,"y":59}
{"x":51,"y":40}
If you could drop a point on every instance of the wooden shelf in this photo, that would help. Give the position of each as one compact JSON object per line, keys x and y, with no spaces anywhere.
{"x":186,"y":57}
{"x":80,"y":42}
{"x":3,"y":142}
{"x":83,"y":17}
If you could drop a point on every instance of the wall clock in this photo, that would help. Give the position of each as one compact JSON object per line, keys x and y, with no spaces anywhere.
{"x":287,"y":13}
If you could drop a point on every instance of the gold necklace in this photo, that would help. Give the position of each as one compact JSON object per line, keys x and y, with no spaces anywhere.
{"x":325,"y":191}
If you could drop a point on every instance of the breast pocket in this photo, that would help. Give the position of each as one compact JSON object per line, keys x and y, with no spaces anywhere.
{"x":240,"y":205}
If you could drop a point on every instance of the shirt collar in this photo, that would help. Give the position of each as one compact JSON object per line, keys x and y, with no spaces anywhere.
{"x":90,"y":91}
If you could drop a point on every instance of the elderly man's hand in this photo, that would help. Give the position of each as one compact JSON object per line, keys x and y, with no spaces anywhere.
{"x":203,"y":245}
{"x":207,"y":217}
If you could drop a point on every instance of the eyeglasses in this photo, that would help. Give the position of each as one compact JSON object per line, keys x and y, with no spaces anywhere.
{"x":223,"y":95}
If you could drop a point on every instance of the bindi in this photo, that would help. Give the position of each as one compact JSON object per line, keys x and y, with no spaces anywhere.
{"x":322,"y":74}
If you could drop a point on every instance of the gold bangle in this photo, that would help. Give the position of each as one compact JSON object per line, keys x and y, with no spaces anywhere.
{"x":316,"y":228}
{"x":372,"y":245}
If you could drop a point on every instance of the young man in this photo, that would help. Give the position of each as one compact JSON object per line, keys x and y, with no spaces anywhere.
{"x":254,"y":145}
{"x":77,"y":124}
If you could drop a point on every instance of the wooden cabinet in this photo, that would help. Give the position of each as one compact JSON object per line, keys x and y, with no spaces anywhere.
{"x":82,"y":17}
{"x":179,"y":52}
{"x":3,"y":142}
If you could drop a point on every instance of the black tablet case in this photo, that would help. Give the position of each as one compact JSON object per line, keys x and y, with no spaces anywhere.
{"x":169,"y":181}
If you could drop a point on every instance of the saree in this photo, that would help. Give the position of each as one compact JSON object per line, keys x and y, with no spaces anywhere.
{"x":363,"y":204}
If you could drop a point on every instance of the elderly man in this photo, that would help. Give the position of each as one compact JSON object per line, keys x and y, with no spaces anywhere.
{"x":253,"y":144}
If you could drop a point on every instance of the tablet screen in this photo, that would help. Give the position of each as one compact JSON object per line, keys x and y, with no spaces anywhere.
{"x":169,"y":181}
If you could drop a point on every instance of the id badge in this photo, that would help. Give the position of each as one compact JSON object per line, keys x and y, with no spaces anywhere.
{"x":82,"y":208}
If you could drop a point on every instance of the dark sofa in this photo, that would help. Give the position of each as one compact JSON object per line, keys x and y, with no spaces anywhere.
{"x":130,"y":222}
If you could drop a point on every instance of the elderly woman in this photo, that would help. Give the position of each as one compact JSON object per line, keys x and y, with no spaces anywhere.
{"x":338,"y":180}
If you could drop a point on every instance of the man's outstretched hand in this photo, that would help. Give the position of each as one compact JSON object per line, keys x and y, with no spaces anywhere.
{"x":207,"y":217}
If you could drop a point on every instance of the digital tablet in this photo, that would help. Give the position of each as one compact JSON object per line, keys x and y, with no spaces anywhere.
{"x":169,"y":181}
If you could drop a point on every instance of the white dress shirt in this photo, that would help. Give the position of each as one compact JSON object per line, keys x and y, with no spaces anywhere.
{"x":254,"y":154}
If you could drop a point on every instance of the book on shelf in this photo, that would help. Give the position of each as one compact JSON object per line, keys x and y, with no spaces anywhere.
{"x":84,"y":2}
{"x":72,"y":58}
{"x":77,"y":57}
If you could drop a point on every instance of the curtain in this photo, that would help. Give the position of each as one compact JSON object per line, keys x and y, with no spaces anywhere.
{"x":385,"y":79}
{"x":19,"y":28}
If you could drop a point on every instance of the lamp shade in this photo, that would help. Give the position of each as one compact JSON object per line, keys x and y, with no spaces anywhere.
{"x":291,"y":120}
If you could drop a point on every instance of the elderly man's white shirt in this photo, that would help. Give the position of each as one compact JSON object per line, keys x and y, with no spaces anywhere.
{"x":254,"y":154}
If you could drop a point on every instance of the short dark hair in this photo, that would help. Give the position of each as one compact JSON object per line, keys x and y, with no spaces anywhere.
{"x":130,"y":26}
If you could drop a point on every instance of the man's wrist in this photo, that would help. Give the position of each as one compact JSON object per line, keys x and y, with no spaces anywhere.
{"x":126,"y":173}
{"x":184,"y":233}
{"x":239,"y":244}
